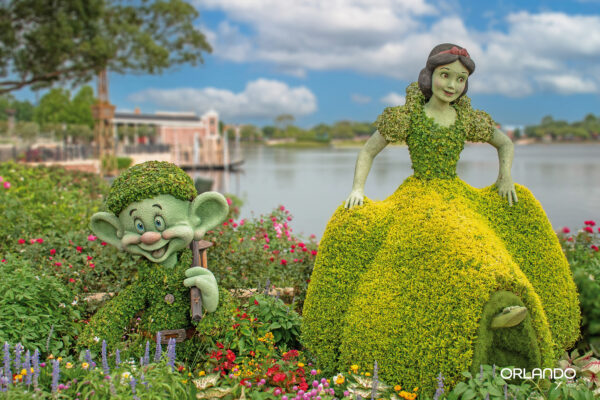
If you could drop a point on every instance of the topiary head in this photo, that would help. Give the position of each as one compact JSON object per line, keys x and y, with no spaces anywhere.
{"x":155,"y":212}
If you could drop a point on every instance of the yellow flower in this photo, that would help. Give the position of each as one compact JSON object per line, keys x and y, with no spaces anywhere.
{"x":23,"y":371}
{"x":184,"y":381}
{"x":18,"y":377}
{"x":69,"y":365}
{"x":237,"y":373}
{"x":189,"y":374}
{"x":415,"y":389}
{"x":51,"y":357}
{"x":367,"y":374}
{"x":269,"y":335}
{"x":300,"y":364}
{"x":339,"y":379}
{"x":201,"y":373}
{"x":59,"y":359}
{"x":354,"y":368}
{"x":397,"y":388}
{"x":85,"y":365}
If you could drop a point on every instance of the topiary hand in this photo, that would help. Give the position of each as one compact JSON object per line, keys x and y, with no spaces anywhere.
{"x":506,"y":189}
{"x":204,"y":280}
{"x":355,"y":199}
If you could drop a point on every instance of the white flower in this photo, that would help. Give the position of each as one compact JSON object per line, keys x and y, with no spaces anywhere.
{"x":62,"y":305}
{"x":96,"y":339}
{"x":74,"y":303}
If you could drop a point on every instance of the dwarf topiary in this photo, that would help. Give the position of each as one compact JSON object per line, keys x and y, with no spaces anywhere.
{"x":154,"y":212}
{"x":439,"y":277}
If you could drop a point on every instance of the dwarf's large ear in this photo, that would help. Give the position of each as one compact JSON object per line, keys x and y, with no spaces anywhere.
{"x":207,"y":211}
{"x":108,"y":228}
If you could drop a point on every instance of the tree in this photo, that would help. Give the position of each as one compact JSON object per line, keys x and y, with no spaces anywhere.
{"x":81,"y":107}
{"x":47,"y":41}
{"x":283,"y":120}
{"x":54,"y":107}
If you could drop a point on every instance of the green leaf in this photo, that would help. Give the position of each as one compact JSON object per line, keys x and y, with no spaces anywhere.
{"x":469,"y":394}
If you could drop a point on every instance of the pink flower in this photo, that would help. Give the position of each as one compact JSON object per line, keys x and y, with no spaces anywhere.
{"x":594,"y":247}
{"x":1,"y":179}
{"x":89,"y":258}
{"x":313,"y":252}
{"x":71,"y":280}
{"x":266,"y":246}
{"x":6,"y":185}
{"x":92,"y":265}
{"x":58,"y":264}
{"x":52,"y":252}
{"x":589,"y":229}
{"x":283,"y":262}
{"x":229,"y":202}
{"x":91,"y":238}
{"x":39,"y":240}
{"x":79,"y":249}
{"x":565,"y":230}
{"x":235,"y":225}
{"x":282,"y":208}
{"x":301,"y":244}
{"x":289,"y":218}
{"x":21,"y":241}
{"x":32,"y":241}
{"x":590,"y":223}
{"x":4,"y":260}
{"x":295,"y":260}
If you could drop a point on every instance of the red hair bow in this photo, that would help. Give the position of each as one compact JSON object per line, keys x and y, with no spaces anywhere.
{"x":456,"y":51}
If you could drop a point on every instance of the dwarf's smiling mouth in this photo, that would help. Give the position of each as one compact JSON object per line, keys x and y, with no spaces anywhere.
{"x":158,"y":253}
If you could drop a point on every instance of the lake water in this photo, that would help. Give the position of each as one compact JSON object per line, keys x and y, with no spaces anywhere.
{"x":311,"y":183}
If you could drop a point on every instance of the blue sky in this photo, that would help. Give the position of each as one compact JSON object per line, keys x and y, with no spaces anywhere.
{"x":331,"y":60}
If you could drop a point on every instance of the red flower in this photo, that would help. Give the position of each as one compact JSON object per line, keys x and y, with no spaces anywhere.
{"x":271,"y":259}
{"x":92,"y":265}
{"x":590,"y":223}
{"x":39,"y":240}
{"x":313,"y":252}
{"x":566,"y":230}
{"x":230,"y":356}
{"x":293,"y":246}
{"x":71,"y":280}
{"x":589,"y":229}
{"x":594,"y":247}
{"x":255,"y":302}
{"x":235,"y":326}
{"x":303,"y":386}
{"x":283,"y":262}
{"x":220,"y":345}
{"x":52,"y":252}
{"x":21,"y":241}
{"x":4,"y":260}
{"x":301,"y":244}
{"x":58,"y":264}
{"x":252,"y":353}
{"x":89,"y":258}
{"x":273,"y":370}
{"x":279,"y":377}
{"x":103,"y":243}
{"x":180,"y":368}
{"x":79,"y":249}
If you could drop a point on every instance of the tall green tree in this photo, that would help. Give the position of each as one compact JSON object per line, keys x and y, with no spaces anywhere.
{"x":54,"y":107}
{"x":81,"y":107}
{"x":70,"y":41}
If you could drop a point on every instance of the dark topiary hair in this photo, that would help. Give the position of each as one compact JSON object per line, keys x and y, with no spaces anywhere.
{"x":146,"y":180}
{"x":436,"y":59}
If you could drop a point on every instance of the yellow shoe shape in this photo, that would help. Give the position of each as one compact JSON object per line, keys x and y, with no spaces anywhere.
{"x":509,"y":317}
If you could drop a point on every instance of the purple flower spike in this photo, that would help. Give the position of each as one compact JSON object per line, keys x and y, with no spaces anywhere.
{"x":171,"y":353}
{"x":117,"y":358}
{"x":17,"y":360}
{"x":6,"y":369}
{"x":27,"y":366}
{"x":36,"y":367}
{"x":88,"y":357}
{"x":55,"y":375}
{"x":147,"y":354}
{"x":158,"y":351}
{"x":104,"y":360}
{"x":440,"y":388}
{"x":132,"y":383}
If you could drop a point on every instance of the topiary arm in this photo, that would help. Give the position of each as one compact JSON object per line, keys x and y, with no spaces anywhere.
{"x":505,"y":147}
{"x":374,"y":145}
{"x":112,"y":319}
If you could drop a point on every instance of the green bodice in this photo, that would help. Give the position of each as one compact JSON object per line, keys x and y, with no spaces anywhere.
{"x":434,"y":149}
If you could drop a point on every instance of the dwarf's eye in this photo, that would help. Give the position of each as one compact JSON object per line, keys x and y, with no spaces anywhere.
{"x":139,"y":226}
{"x":159,"y":223}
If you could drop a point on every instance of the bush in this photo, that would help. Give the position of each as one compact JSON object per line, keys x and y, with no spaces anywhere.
{"x":281,"y":320}
{"x":258,"y":251}
{"x":582,"y":252}
{"x":38,"y":311}
{"x":124,"y":162}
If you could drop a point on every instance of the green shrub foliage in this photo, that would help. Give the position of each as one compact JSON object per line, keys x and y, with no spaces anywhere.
{"x":38,"y":311}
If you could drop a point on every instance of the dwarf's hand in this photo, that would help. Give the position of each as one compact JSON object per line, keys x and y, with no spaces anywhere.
{"x":506,"y":189}
{"x":204,"y":280}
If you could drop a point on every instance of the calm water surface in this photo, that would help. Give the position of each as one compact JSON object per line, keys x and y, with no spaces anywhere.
{"x":311,"y":183}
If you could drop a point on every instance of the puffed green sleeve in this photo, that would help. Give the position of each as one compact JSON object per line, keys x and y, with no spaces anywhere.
{"x":393,"y":124}
{"x":479,"y":126}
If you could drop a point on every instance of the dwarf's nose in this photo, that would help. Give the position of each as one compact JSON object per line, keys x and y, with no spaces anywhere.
{"x":150,"y":237}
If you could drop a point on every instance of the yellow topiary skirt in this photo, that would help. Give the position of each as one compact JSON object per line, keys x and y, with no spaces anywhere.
{"x":406,"y":282}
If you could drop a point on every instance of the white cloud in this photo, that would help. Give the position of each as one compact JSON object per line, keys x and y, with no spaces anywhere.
{"x":393,"y":37}
{"x":567,"y":84}
{"x":360,"y":98}
{"x":393,"y":99}
{"x":261,"y":98}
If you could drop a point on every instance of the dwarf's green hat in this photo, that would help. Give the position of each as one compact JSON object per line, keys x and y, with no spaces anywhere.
{"x":149,"y":179}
